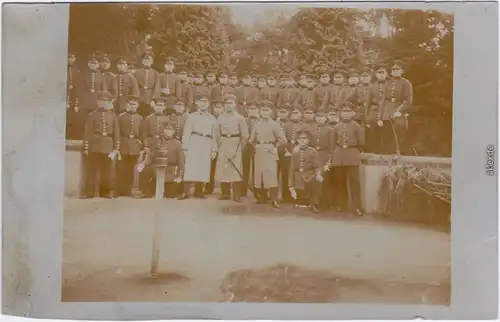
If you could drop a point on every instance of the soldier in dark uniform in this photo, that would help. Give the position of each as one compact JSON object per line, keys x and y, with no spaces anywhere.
{"x":109,"y":79}
{"x":394,"y":111}
{"x":131,"y":140}
{"x":168,"y":84}
{"x":248,"y":152}
{"x":348,"y":137}
{"x":332,"y":116}
{"x":88,"y":87}
{"x":291,"y":128}
{"x":375,"y":134}
{"x":270,"y":92}
{"x":366,"y":116}
{"x":337,"y":93}
{"x":288,"y":94}
{"x":233,"y":80}
{"x":246,"y":93}
{"x":199,"y":88}
{"x":178,"y":119}
{"x":174,"y":171}
{"x":184,"y":90}
{"x":351,"y":95}
{"x":309,"y":120}
{"x":305,"y":177}
{"x":217,"y":109}
{"x":149,"y":84}
{"x":101,"y":143}
{"x":211,"y":83}
{"x":127,"y":86}
{"x":322,"y":91}
{"x":72,"y":103}
{"x":306,"y":94}
{"x":220,"y":90}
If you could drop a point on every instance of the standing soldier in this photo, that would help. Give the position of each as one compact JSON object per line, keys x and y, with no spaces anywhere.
{"x":351,"y":95}
{"x":322,"y":91}
{"x":131,"y":141}
{"x":306,"y":94}
{"x":332,"y":116}
{"x":233,"y":81}
{"x":211,"y":83}
{"x":230,"y":137}
{"x":184,"y":90}
{"x":367,"y":115}
{"x":197,"y":143}
{"x":261,"y":82}
{"x":394,"y":110}
{"x":309,"y":120}
{"x":289,"y":93}
{"x":266,"y":135}
{"x":245,"y":94}
{"x":270,"y":92}
{"x":337,"y":93}
{"x":127,"y":86}
{"x":349,"y":139}
{"x":168,"y":84}
{"x":199,"y":88}
{"x":220,"y":90}
{"x":321,"y":140}
{"x":217,"y":110}
{"x":89,"y":85}
{"x":178,"y":119}
{"x":149,"y":84}
{"x":294,"y":126}
{"x":109,"y":79}
{"x":376,"y":96}
{"x":101,"y":143}
{"x":282,"y":119}
{"x":72,"y":105}
{"x":248,"y":151}
{"x":305,"y":176}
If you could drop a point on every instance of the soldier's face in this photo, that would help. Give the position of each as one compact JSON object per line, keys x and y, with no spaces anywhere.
{"x":147,"y":61}
{"x":283,"y":114}
{"x":104,"y":65}
{"x":169,"y":133}
{"x":381,"y":74}
{"x":179,"y":108}
{"x":324,"y":79}
{"x":303,"y":81}
{"x":254,"y":81}
{"x":309,"y":116}
{"x":223,"y":79}
{"x":183,"y":77}
{"x":198,"y":79}
{"x":101,"y":104}
{"x":247,"y":80}
{"x":265,"y":112}
{"x":332,"y":117}
{"x":262,"y":83}
{"x":353,"y":80}
{"x":122,"y":67}
{"x":218,"y":109}
{"x":71,"y":60}
{"x":310,"y":83}
{"x":253,"y":111}
{"x":203,"y":105}
{"x":159,"y":107}
{"x":366,"y":79}
{"x":303,"y":140}
{"x":338,"y":79}
{"x":169,"y":67}
{"x":234,"y":80}
{"x":93,"y":65}
{"x":211,"y":78}
{"x":230,"y":106}
{"x":346,"y":115}
{"x":396,"y":71}
{"x":321,"y":119}
{"x":271,"y":81}
{"x":289,"y":82}
{"x":296,"y":115}
{"x":132,"y":106}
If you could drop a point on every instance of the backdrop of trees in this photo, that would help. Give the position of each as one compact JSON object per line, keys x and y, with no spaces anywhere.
{"x":203,"y":36}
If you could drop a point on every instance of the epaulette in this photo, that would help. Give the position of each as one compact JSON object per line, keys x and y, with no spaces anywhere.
{"x":122,"y":113}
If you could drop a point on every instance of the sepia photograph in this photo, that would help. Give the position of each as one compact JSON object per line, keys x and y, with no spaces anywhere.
{"x":258,"y":153}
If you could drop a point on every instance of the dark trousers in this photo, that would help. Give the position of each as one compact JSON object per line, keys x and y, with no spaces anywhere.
{"x":99,"y":173}
{"x":144,"y":110}
{"x":75,"y":123}
{"x":347,"y":184}
{"x":72,"y":118}
{"x":198,"y":188}
{"x":126,"y":171}
{"x":225,"y":188}
{"x":372,"y":138}
{"x":327,"y":189}
{"x":311,"y":193}
{"x":248,"y":163}
{"x":393,"y":136}
{"x":267,"y":194}
{"x":283,"y":169}
{"x":209,"y":187}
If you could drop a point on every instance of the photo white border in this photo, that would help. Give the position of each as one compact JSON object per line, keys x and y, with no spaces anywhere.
{"x":34,"y":85}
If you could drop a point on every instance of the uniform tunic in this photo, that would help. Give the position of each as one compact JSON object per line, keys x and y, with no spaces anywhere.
{"x":287,"y":96}
{"x":153,"y":130}
{"x":375,"y":99}
{"x":109,"y":83}
{"x":102,"y":132}
{"x":348,"y":138}
{"x":197,"y":142}
{"x":72,"y":82}
{"x":361,"y":97}
{"x":175,"y":158}
{"x":199,"y":91}
{"x":269,"y":94}
{"x":91,"y":82}
{"x":230,"y":137}
{"x":336,"y":96}
{"x":305,"y":98}
{"x":322,"y":142}
{"x":219,"y":91}
{"x":304,"y":166}
{"x":184,"y":92}
{"x":131,"y":131}
{"x":320,"y":94}
{"x":266,"y":135}
{"x":291,"y":129}
{"x":398,"y":95}
{"x":178,"y":121}
{"x":127,"y":85}
{"x":168,"y":83}
{"x":244,"y":95}
{"x":210,"y":87}
{"x":148,"y":80}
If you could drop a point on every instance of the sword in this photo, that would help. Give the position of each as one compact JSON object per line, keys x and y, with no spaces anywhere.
{"x":231,"y":162}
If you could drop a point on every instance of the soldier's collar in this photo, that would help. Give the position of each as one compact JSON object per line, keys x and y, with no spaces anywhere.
{"x":325,"y":84}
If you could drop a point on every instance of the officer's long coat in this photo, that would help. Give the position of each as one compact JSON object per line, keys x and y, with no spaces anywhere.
{"x":197,"y":143}
{"x":266,"y":135}
{"x":230,"y":148}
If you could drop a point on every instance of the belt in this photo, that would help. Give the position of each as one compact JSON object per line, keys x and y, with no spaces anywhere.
{"x":154,"y":136}
{"x":105,"y":134}
{"x":392,"y":100}
{"x":265,"y":142}
{"x":346,"y":146}
{"x":131,"y":136}
{"x":229,"y":135}
{"x":201,"y":134}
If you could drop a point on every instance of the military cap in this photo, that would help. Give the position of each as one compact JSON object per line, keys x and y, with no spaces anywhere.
{"x":303,"y":132}
{"x":339,"y":72}
{"x":217,"y":102}
{"x":309,"y":109}
{"x":229,"y":97}
{"x":232,"y":74}
{"x":347,"y":106}
{"x":182,"y":69}
{"x":169,"y":60}
{"x":353,"y":72}
{"x":160,"y":99}
{"x":287,"y":107}
{"x":272,"y":76}
{"x":104,"y":96}
{"x":93,"y":58}
{"x":381,"y":66}
{"x":132,"y":63}
{"x":323,"y":72}
{"x":309,"y":76}
{"x":246,"y":74}
{"x":261,"y":77}
{"x":210,"y":71}
{"x":266,"y":104}
{"x":122,"y":60}
{"x":331,"y":110}
{"x":223,"y":72}
{"x":296,"y":108}
{"x":179,"y":102}
{"x":202,"y":97}
{"x":104,"y":58}
{"x":167,"y":125}
{"x":251,"y":105}
{"x":198,"y":73}
{"x":72,"y":54}
{"x":148,"y":54}
{"x":132,"y":98}
{"x":398,"y":63}
{"x":320,"y":112}
{"x":366,"y":72}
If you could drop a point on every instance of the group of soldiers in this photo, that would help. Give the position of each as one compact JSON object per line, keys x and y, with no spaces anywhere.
{"x":255,"y":134}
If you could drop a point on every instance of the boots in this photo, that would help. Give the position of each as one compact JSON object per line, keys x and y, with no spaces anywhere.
{"x":236,"y":191}
{"x":225,"y":188}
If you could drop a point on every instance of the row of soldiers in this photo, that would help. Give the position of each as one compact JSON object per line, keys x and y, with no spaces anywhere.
{"x":310,"y":154}
{"x":382,"y":98}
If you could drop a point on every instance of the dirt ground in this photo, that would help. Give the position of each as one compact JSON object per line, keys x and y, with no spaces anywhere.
{"x":214,"y":251}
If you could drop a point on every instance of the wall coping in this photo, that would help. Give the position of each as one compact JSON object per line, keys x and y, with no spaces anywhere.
{"x":366,"y":158}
